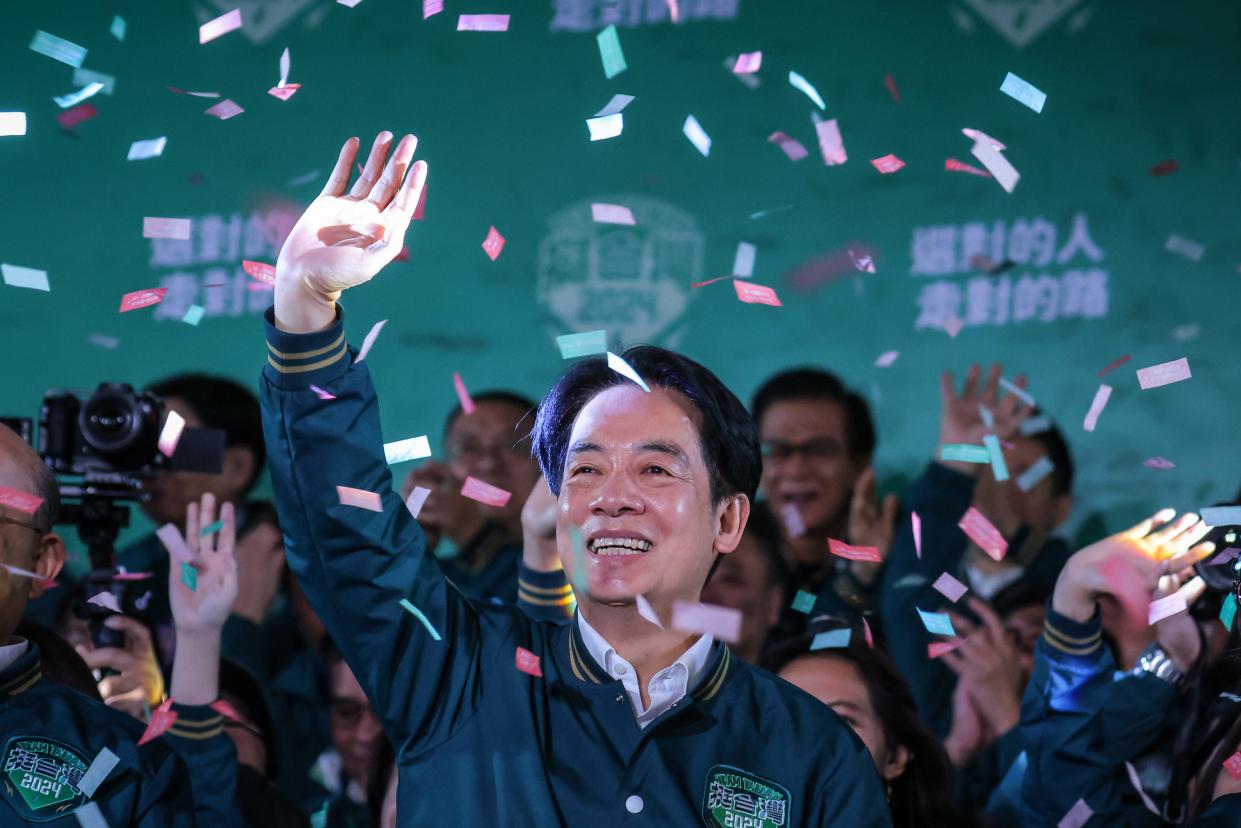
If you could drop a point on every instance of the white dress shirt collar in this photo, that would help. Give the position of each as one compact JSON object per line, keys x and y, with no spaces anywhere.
{"x":10,"y":653}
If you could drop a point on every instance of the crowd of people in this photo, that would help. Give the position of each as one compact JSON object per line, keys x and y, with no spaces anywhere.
{"x":538,"y":662}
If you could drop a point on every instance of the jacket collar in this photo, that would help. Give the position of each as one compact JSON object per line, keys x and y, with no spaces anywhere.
{"x":22,"y":674}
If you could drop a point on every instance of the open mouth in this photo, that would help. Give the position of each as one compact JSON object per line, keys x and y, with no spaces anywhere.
{"x":609,"y":547}
{"x":798,"y":498}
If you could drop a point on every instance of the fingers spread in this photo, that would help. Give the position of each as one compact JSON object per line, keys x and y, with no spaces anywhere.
{"x":1142,"y":528}
{"x":339,"y":179}
{"x":394,"y":173}
{"x":407,"y":198}
{"x":991,"y":390}
{"x":374,"y":163}
{"x":971,"y":382}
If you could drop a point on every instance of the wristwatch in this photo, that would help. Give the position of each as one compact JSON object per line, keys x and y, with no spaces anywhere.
{"x":1156,"y":662}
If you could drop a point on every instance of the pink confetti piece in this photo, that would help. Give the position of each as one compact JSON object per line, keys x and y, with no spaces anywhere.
{"x":1161,"y":463}
{"x":1165,"y":167}
{"x":1233,"y":765}
{"x":886,"y":358}
{"x":170,"y":536}
{"x":890,"y":82}
{"x":224,"y":110}
{"x":165,"y":228}
{"x":222,"y":25}
{"x":106,"y":600}
{"x":528,"y":663}
{"x":755,"y":294}
{"x":416,"y":500}
{"x":953,"y":165}
{"x":1077,"y":816}
{"x":647,"y":611}
{"x":863,"y":261}
{"x":1114,"y":364}
{"x":132,"y":576}
{"x":162,"y":718}
{"x":870,"y":638}
{"x":259,"y":271}
{"x":226,"y":710}
{"x":887,"y":164}
{"x":482,"y":23}
{"x":321,"y":394}
{"x":431,"y":8}
{"x":611,"y":214}
{"x":1096,"y":407}
{"x":916,"y":522}
{"x":674,"y":13}
{"x":831,"y":145}
{"x":493,"y":244}
{"x":72,"y":117}
{"x":284,"y":92}
{"x":841,"y":549}
{"x":950,"y":587}
{"x":142,"y":299}
{"x":485,"y":493}
{"x":359,"y":498}
{"x":23,"y":502}
{"x":1164,"y":373}
{"x":369,"y":341}
{"x":1166,"y":607}
{"x":953,"y":327}
{"x":790,"y":146}
{"x":170,"y":434}
{"x":937,"y":648}
{"x":463,"y":393}
{"x":723,"y":623}
{"x":983,"y":533}
{"x":794,"y":524}
{"x":748,"y":63}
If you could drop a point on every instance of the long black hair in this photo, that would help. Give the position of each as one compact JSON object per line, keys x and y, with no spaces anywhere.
{"x":921,"y":797}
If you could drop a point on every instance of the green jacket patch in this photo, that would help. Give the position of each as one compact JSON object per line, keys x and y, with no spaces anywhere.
{"x":41,"y":776}
{"x":738,"y":799}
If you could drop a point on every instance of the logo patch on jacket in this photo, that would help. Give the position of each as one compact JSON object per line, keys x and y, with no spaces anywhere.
{"x":738,"y":799}
{"x":40,"y":777}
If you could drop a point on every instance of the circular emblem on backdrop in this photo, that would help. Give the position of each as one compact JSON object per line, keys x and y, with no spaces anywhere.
{"x":632,"y":280}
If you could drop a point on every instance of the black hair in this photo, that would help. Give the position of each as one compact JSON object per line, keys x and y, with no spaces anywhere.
{"x":921,"y":797}
{"x":1057,"y":449}
{"x":727,"y":434}
{"x":224,"y":404}
{"x":60,"y":662}
{"x":809,"y":383}
{"x":244,"y":692}
{"x":502,"y":396}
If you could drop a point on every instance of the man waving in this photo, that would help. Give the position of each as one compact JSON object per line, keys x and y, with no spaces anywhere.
{"x":497,"y":719}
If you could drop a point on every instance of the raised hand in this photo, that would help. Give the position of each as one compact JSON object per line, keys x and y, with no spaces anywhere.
{"x":538,"y":529}
{"x":345,"y":238}
{"x":136,"y":681}
{"x":960,"y":418}
{"x":871,"y":523}
{"x":988,"y":664}
{"x":206,"y":607}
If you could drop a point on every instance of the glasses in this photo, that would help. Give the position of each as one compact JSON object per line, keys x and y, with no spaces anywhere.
{"x":30,"y":526}
{"x":818,"y":449}
{"x":471,"y":451}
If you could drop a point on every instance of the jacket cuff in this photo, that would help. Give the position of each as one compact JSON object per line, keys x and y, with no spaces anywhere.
{"x":297,"y":361}
{"x":545,"y":589}
{"x":1064,"y":636}
{"x":196,"y":721}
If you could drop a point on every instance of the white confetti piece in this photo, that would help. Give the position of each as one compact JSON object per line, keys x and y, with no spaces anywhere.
{"x":609,"y":126}
{"x":74,"y":98}
{"x":417,"y":499}
{"x":1221,"y":515}
{"x":723,"y":623}
{"x":1182,"y":246}
{"x":611,"y":214}
{"x":170,"y":434}
{"x":222,"y":25}
{"x":886,"y":358}
{"x":1164,"y":373}
{"x":1034,"y":475}
{"x":284,"y":67}
{"x":1024,"y":92}
{"x":371,"y":336}
{"x":149,"y":148}
{"x":620,"y":366}
{"x":697,"y":135}
{"x":165,"y":228}
{"x":12,"y":123}
{"x":101,"y":765}
{"x":24,"y":277}
{"x":743,"y":261}
{"x":646,"y":611}
{"x":103,"y":341}
{"x":1166,"y":607}
{"x":1096,"y":407}
{"x":414,"y":448}
{"x":106,"y":600}
{"x":995,"y":162}
{"x":807,"y":87}
{"x":831,"y":145}
{"x":170,"y":536}
{"x":224,"y":110}
{"x":89,"y":816}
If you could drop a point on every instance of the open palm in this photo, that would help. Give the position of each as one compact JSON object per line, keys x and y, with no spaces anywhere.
{"x":345,"y":238}
{"x":207,"y":605}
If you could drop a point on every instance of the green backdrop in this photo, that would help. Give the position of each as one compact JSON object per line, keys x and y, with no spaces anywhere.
{"x":500,"y":117}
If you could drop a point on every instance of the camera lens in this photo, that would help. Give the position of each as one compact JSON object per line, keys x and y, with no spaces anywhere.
{"x":111,"y":421}
{"x":1220,"y":569}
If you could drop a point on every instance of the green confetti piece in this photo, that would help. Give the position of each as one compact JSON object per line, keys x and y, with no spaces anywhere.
{"x":610,"y":52}
{"x":580,"y":578}
{"x":937,"y":623}
{"x":417,"y":613}
{"x":577,"y":345}
{"x":998,"y":467}
{"x":189,"y":577}
{"x":1228,"y":612}
{"x":194,"y":315}
{"x":804,"y":601}
{"x":118,"y":27}
{"x":832,"y":639}
{"x":319,"y":818}
{"x":212,"y":528}
{"x":964,"y":453}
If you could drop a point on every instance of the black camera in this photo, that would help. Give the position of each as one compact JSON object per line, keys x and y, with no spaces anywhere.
{"x":116,"y":429}
{"x":1222,"y":570}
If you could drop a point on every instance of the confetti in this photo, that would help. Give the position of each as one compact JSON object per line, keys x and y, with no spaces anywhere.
{"x":90,"y":816}
{"x":794,"y":525}
{"x":998,"y":467}
{"x":937,"y":648}
{"x":611,"y":214}
{"x":180,"y":91}
{"x":58,"y":48}
{"x":1018,"y":392}
{"x":981,"y":531}
{"x":999,"y":167}
{"x":953,"y":327}
{"x":170,"y":434}
{"x":831,"y":145}
{"x":369,"y":341}
{"x":697,"y":135}
{"x":1023,"y":92}
{"x":493,"y":244}
{"x":417,"y":613}
{"x":359,"y":498}
{"x":964,"y":453}
{"x":1165,"y":167}
{"x":224,"y":110}
{"x":807,"y":88}
{"x":1166,"y":607}
{"x":988,"y":419}
{"x":26,"y":573}
{"x":790,"y":146}
{"x":485,"y":493}
{"x":950,"y":587}
{"x":222,"y":25}
{"x":870,"y":639}
{"x":150,"y":148}
{"x":417,"y":499}
{"x":887,"y":164}
{"x":1161,"y":463}
{"x":284,"y":92}
{"x":886,"y":359}
{"x":610,"y":52}
{"x":12,"y":123}
{"x":620,"y":366}
{"x":431,"y":8}
{"x":890,"y":82}
{"x":24,"y":277}
{"x":743,"y":262}
{"x":1164,"y":373}
{"x":1182,"y":246}
{"x":100,"y":767}
{"x":916,"y":525}
{"x":132,"y":576}
{"x":463,"y":393}
{"x":1221,"y":515}
{"x":211,"y":528}
{"x":414,"y":448}
{"x":349,"y":3}
{"x":102,"y":341}
{"x":647,"y":611}
{"x":142,"y":299}
{"x":583,"y":344}
{"x":72,"y":117}
{"x":189,"y":577}
{"x":106,"y":600}
{"x":747,"y":64}
{"x":1034,"y":475}
{"x":84,"y":77}
{"x":528,"y":663}
{"x":608,"y":126}
{"x":1096,"y":407}
{"x":66,"y":101}
{"x":836,"y":639}
{"x":1114,"y":364}
{"x":117,"y":29}
{"x":841,"y":549}
{"x":259,"y":271}
{"x":1077,"y":816}
{"x":755,"y":294}
{"x":323,"y":395}
{"x":863,"y":262}
{"x":482,"y":23}
{"x":978,"y":135}
{"x":1233,"y":765}
{"x":170,"y":536}
{"x":1034,"y":425}
{"x":804,"y":601}
{"x":953,"y":165}
{"x":1228,"y":612}
{"x":723,"y":623}
{"x":165,"y":228}
{"x":937,"y":623}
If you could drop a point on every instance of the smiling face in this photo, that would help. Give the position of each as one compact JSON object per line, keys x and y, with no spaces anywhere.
{"x":637,"y":485}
